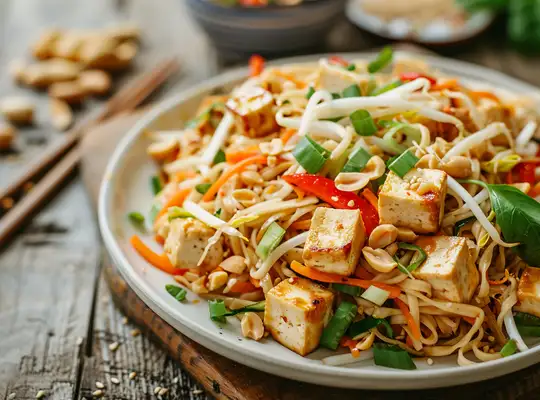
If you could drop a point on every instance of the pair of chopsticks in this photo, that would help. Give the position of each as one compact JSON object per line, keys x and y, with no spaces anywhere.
{"x":17,"y":203}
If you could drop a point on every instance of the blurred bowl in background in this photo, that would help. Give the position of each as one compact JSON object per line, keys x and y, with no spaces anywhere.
{"x":269,"y":30}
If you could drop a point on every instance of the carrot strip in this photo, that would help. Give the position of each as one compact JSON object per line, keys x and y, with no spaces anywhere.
{"x":226,"y":175}
{"x":448,"y":84}
{"x":237,"y":156}
{"x":159,"y":240}
{"x":183,"y":175}
{"x":301,"y":225}
{"x":500,"y":281}
{"x":478,"y":94}
{"x":287,"y":135}
{"x":371,"y":197}
{"x":160,"y":261}
{"x":243,"y":287}
{"x":299,"y":84}
{"x":355,"y":352}
{"x":175,"y":201}
{"x":317,"y":275}
{"x":255,"y":282}
{"x":256,"y":65}
{"x":470,"y":320}
{"x":362,"y":273}
{"x":299,"y":192}
{"x":415,"y":329}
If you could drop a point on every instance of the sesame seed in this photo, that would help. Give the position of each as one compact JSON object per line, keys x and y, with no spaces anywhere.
{"x":40,"y":394}
{"x":135,"y":332}
{"x":163,"y":392}
{"x":114,"y":346}
{"x":132,"y":375}
{"x":99,"y":385}
{"x":429,"y":361}
{"x":334,"y":198}
{"x":351,"y":203}
{"x":157,"y":389}
{"x":11,"y":396}
{"x":97,"y":393}
{"x":197,"y":391}
{"x":115,"y":380}
{"x":125,"y":320}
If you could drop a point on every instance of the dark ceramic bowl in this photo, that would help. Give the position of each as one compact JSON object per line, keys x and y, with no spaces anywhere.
{"x":268,"y":30}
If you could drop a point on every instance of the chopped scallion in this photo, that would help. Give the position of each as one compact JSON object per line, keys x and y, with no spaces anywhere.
{"x":460,"y":224}
{"x":352,"y":91}
{"x":383,"y":59}
{"x":155,"y":183}
{"x":363,"y":123}
{"x":217,"y":310}
{"x":336,"y":96}
{"x":202,"y":188}
{"x":392,"y":356}
{"x":310,"y":154}
{"x":218,"y":213}
{"x":177,"y":292}
{"x":386,"y":88}
{"x":137,"y":219}
{"x":178,"y":212}
{"x":357,"y":161}
{"x":403,"y":163}
{"x":310,"y":92}
{"x":350,"y":67}
{"x":270,"y":240}
{"x":509,"y":348}
{"x":338,"y":325}
{"x":368,"y":323}
{"x":220,"y":157}
{"x":418,"y":261}
{"x":375,"y":295}
{"x":348,"y":289}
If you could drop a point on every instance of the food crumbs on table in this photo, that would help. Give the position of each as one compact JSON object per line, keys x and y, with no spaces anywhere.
{"x":114,"y":380}
{"x":132,"y":375}
{"x":163,"y":392}
{"x":97,"y":393}
{"x":125,"y":320}
{"x":11,"y":396}
{"x":196,"y":391}
{"x":430,"y":361}
{"x":196,"y":301}
{"x":135,"y":332}
{"x":99,"y":385}
{"x":79,"y":341}
{"x":157,"y":389}
{"x":40,"y":394}
{"x":175,"y":380}
{"x":114,"y":346}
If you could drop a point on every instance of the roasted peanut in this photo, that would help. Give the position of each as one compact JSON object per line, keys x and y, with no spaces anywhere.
{"x":379,"y":259}
{"x":252,"y":326}
{"x":457,"y":167}
{"x":7,"y":135}
{"x":234,"y":264}
{"x":251,"y":178}
{"x":61,"y":114}
{"x":217,"y":280}
{"x":99,"y":52}
{"x":164,"y":150}
{"x":17,"y":69}
{"x":406,"y":235}
{"x":125,"y":53}
{"x":382,"y":236}
{"x":95,"y":82}
{"x":70,"y":92}
{"x":68,"y":45}
{"x":43,"y":48}
{"x":45,"y":73}
{"x":123,"y":32}
{"x":198,"y":286}
{"x":18,"y":110}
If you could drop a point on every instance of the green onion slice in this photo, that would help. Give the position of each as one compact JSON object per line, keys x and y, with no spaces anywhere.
{"x":403,"y":163}
{"x":363,"y":123}
{"x":419,"y":259}
{"x":270,"y":240}
{"x":155,"y":184}
{"x":218,"y":213}
{"x":529,"y":331}
{"x":368,"y":323}
{"x":348,"y":289}
{"x":218,"y":311}
{"x":336,"y":96}
{"x":460,"y":224}
{"x":177,"y":292}
{"x":178,"y":212}
{"x":382,"y":60}
{"x":509,"y":348}
{"x":386,"y":88}
{"x":357,"y":161}
{"x":220,"y":157}
{"x":525,"y":319}
{"x":350,"y":67}
{"x":352,"y":91}
{"x":392,"y":356}
{"x":202,"y":188}
{"x":310,"y":92}
{"x":310,"y":154}
{"x":137,"y":219}
{"x":338,"y":325}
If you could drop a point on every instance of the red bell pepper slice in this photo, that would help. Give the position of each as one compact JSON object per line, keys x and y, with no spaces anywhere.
{"x":526,"y":172}
{"x":326,"y":190}
{"x":411,"y":76}
{"x":338,"y":60}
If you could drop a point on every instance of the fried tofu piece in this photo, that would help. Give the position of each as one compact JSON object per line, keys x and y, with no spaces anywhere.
{"x":448,"y":268}
{"x":335,"y":240}
{"x":415,"y":202}
{"x":254,"y":112}
{"x":529,"y":292}
{"x":296,"y":312}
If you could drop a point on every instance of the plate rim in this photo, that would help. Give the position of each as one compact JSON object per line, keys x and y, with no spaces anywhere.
{"x":308,"y":372}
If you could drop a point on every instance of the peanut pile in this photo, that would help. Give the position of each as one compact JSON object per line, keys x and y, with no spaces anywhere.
{"x":71,"y":65}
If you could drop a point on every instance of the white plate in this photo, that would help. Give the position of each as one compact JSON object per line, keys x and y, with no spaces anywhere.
{"x":126,"y":188}
{"x":438,"y":31}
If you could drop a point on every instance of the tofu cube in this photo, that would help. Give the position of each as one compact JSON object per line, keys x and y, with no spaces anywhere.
{"x":529,"y":292}
{"x":449,"y":268}
{"x":334,"y":78}
{"x":416,"y":201}
{"x":296,"y":312}
{"x":334,"y":241}
{"x":254,"y":112}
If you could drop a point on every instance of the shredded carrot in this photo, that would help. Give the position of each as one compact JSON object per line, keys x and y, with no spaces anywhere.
{"x":255,"y":282}
{"x":287,"y":135}
{"x":415,"y":329}
{"x":159,"y":239}
{"x":183,"y":175}
{"x":243,"y":287}
{"x":355,"y":352}
{"x":448,"y":84}
{"x":476,"y":95}
{"x":160,"y":261}
{"x":237,"y":156}
{"x":362,"y":273}
{"x":509,"y":178}
{"x":299,"y":84}
{"x":301,"y":225}
{"x":317,"y":275}
{"x":409,"y":342}
{"x":226,"y":175}
{"x":175,"y":201}
{"x":256,"y":65}
{"x":500,"y":281}
{"x":299,"y":192}
{"x":371,"y":197}
{"x":470,"y":320}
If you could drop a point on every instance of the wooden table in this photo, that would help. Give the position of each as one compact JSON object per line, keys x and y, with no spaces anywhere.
{"x":56,"y":317}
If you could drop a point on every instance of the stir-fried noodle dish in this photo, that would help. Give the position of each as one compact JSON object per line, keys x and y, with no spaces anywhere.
{"x":377,"y":208}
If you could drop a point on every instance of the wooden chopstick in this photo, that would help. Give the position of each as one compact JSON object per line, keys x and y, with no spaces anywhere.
{"x":129,"y":96}
{"x":139,"y":90}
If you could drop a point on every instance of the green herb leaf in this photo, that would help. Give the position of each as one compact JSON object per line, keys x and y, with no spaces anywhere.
{"x":368,"y":323}
{"x":363,"y":123}
{"x":350,"y":67}
{"x":202,"y":188}
{"x":460,"y":224}
{"x":177,"y":292}
{"x":386,"y":88}
{"x":155,"y":184}
{"x":419,"y":259}
{"x":178,"y":212}
{"x":310,"y":154}
{"x":383,"y":59}
{"x":338,"y":325}
{"x":218,"y":213}
{"x":525,"y":319}
{"x":220,"y":157}
{"x":348,"y":289}
{"x":352,"y":91}
{"x":392,"y":356}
